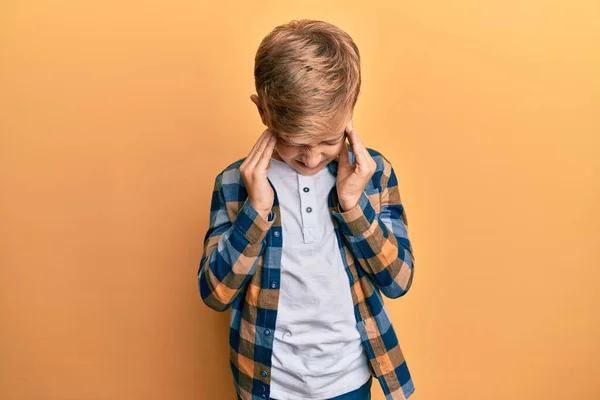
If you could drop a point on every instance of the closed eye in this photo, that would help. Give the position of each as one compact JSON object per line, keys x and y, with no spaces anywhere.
{"x":336,"y":141}
{"x":328,"y":143}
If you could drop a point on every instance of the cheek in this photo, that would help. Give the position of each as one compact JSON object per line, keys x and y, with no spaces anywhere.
{"x":337,"y":149}
{"x":286,"y":152}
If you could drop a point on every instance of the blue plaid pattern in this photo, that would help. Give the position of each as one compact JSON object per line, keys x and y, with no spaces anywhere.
{"x":240,"y":270}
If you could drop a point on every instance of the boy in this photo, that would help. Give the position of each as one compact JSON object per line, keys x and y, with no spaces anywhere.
{"x":306,"y":232}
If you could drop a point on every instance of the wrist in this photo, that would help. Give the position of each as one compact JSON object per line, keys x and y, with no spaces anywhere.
{"x":347,"y":205}
{"x":264,"y":213}
{"x":261,"y":209}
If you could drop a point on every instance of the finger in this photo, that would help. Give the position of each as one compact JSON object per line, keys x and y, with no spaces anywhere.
{"x":364,"y":161}
{"x":258,"y":148}
{"x":364,"y":149}
{"x":344,"y":157}
{"x":361,"y":146}
{"x":359,"y":156}
{"x":263,"y":136}
{"x":369,"y":163}
{"x":265,"y":157}
{"x":349,"y":126}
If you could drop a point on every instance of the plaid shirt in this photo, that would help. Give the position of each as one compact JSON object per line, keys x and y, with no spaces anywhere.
{"x":240,"y":269}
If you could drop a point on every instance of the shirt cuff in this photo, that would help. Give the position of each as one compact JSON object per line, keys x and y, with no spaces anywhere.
{"x":251,"y":224}
{"x":356,"y":221}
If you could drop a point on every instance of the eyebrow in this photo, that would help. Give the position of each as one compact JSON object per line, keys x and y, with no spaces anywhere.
{"x":334,"y":140}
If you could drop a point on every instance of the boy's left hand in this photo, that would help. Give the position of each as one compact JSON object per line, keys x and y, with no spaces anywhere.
{"x":352,"y":179}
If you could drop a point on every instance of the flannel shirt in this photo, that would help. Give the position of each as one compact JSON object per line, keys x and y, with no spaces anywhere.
{"x":240,"y":270}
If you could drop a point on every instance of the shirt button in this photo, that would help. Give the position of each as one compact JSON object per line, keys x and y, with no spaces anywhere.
{"x":273,"y":285}
{"x":276,"y":233}
{"x":308,"y":209}
{"x":306,"y":190}
{"x":267,"y":332}
{"x":263,"y":373}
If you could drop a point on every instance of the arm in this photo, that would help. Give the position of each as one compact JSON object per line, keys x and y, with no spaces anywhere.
{"x":231,"y":250}
{"x":380,"y":242}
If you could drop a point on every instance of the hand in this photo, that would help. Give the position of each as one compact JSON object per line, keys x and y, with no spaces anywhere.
{"x":254,"y":173}
{"x":352,"y":179}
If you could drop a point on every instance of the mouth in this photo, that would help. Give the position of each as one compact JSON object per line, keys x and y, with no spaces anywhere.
{"x":304,"y":166}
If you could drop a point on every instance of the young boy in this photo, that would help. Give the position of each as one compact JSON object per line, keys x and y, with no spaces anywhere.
{"x":306,"y":232}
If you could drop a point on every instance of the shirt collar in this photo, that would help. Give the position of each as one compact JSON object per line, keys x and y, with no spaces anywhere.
{"x":333,"y":166}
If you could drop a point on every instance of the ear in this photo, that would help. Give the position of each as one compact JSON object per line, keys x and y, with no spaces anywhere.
{"x":256,"y":101}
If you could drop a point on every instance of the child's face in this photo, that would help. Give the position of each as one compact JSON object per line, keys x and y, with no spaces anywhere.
{"x":307,"y":159}
{"x":310,"y":159}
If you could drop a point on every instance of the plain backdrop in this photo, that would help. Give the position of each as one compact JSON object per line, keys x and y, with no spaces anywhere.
{"x":116,"y":116}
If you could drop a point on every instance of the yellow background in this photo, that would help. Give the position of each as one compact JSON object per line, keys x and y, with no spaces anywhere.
{"x":116,"y":117}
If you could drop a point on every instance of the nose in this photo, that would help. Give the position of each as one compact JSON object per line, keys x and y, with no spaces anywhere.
{"x":312,"y":159}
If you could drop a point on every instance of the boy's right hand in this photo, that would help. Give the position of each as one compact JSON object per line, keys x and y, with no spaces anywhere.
{"x":254,"y":173}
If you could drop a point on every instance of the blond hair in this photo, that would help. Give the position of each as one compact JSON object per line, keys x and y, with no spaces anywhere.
{"x":307,"y":77}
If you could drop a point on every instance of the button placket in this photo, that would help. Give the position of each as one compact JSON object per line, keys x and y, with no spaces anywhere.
{"x":308,"y":202}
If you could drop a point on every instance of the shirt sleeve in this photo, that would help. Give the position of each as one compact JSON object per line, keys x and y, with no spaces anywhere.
{"x":231,"y":250}
{"x":379,"y":241}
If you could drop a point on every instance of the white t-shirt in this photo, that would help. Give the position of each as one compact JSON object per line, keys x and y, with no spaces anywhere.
{"x":317,"y":350}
